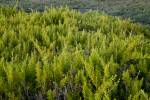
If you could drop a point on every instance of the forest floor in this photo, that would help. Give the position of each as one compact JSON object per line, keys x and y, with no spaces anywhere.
{"x":136,"y":10}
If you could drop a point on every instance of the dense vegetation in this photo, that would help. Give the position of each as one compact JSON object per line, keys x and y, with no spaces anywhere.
{"x":137,"y":10}
{"x":61,"y":54}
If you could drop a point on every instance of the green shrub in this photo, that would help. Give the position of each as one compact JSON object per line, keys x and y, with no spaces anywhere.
{"x":63,"y":54}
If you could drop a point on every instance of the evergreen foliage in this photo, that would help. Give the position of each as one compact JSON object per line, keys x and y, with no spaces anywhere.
{"x":67,"y":55}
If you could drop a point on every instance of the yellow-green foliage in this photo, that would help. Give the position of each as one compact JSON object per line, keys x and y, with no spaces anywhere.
{"x":63,"y":54}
